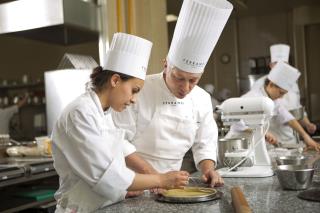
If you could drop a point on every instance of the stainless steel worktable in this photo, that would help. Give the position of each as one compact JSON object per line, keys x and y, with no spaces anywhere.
{"x":262,"y":194}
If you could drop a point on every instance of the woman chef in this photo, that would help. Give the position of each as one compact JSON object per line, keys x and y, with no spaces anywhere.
{"x":174,"y":114}
{"x":89,"y":152}
{"x":291,"y":100}
{"x":279,"y":81}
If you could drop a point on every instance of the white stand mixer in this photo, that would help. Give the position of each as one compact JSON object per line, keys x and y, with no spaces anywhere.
{"x":255,"y":113}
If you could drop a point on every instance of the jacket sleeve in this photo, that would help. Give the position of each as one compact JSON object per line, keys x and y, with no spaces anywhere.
{"x":283,"y":115}
{"x":205,"y":145}
{"x":94,"y":159}
{"x":10,"y":111}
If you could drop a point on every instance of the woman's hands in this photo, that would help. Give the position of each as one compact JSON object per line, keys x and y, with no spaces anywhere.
{"x":174,"y":179}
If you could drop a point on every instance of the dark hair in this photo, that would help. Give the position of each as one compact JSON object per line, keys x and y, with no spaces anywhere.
{"x":266,"y":82}
{"x":100,"y":77}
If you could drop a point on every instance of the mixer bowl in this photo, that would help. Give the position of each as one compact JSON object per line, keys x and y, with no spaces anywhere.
{"x":291,"y":160}
{"x":232,"y":145}
{"x":296,"y":177}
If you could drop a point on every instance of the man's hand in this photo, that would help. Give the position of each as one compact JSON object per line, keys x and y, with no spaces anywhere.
{"x":213,"y":178}
{"x":209,"y":175}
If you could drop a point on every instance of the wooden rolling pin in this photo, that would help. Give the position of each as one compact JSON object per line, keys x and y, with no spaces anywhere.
{"x":239,"y":201}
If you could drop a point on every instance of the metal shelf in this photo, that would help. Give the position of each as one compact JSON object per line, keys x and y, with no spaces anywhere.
{"x":21,"y":86}
{"x":27,"y":178}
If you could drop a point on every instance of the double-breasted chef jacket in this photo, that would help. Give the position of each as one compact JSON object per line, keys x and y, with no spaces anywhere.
{"x":163,"y":128}
{"x":89,"y":154}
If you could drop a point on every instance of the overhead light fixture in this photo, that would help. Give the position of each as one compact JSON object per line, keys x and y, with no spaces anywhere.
{"x":171,"y":18}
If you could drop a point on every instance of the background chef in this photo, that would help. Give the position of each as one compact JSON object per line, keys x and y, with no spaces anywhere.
{"x":88,"y":150}
{"x":173,"y":114}
{"x":280,"y":80}
{"x":291,"y":100}
{"x":6,"y":114}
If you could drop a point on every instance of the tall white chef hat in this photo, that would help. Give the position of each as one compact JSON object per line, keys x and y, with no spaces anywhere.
{"x":128,"y":54}
{"x":279,"y":52}
{"x":198,"y":29}
{"x":284,"y":75}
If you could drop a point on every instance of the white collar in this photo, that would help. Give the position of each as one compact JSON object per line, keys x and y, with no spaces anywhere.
{"x":98,"y":104}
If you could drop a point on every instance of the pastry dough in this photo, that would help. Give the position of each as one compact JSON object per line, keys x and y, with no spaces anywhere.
{"x":189,"y":192}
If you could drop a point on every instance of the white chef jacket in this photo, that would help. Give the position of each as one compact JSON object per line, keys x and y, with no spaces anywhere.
{"x":281,"y":115}
{"x":290,"y":101}
{"x":5,"y":116}
{"x":88,"y":154}
{"x":163,"y":128}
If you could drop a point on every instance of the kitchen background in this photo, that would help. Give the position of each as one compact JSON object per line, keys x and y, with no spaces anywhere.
{"x":241,"y":55}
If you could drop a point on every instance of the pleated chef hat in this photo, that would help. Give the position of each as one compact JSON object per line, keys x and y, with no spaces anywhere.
{"x":279,"y":52}
{"x":128,"y":54}
{"x":198,"y":29}
{"x":284,"y":75}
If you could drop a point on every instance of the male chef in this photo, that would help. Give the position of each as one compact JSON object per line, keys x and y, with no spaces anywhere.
{"x":291,"y":100}
{"x":173,"y":114}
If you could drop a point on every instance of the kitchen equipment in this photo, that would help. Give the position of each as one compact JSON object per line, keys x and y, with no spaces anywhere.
{"x":61,"y":89}
{"x":189,"y":195}
{"x":291,"y":160}
{"x":77,"y":61}
{"x":295,"y":177}
{"x":8,"y":172}
{"x":230,"y":145}
{"x":239,"y":201}
{"x":222,"y":131}
{"x":70,"y":21}
{"x":255,"y":113}
{"x":17,"y":167}
{"x":36,"y":168}
{"x":310,"y":194}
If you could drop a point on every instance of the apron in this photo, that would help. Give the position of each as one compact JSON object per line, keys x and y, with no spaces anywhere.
{"x":81,"y":198}
{"x":167,"y":138}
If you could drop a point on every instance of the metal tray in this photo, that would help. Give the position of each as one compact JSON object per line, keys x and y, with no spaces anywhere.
{"x":201,"y":198}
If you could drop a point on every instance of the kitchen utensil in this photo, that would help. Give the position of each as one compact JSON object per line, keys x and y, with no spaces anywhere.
{"x":189,"y":195}
{"x":239,"y":201}
{"x":291,"y":160}
{"x":295,"y":177}
{"x":196,"y":181}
